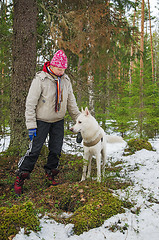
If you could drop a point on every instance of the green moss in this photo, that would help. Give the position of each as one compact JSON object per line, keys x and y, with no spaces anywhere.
{"x":16,"y":217}
{"x":136,"y":145}
{"x":90,"y":202}
{"x":44,"y":152}
{"x":67,"y":197}
{"x":95,"y":212}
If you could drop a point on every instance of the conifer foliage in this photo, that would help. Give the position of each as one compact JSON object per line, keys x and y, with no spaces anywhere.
{"x":104,"y":56}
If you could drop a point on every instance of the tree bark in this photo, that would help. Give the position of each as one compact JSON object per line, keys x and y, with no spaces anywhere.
{"x":152,"y":61}
{"x":23,"y":67}
{"x":132,"y":48}
{"x":141,"y":68}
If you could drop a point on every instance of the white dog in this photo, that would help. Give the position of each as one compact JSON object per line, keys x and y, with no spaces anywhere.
{"x":94,"y":142}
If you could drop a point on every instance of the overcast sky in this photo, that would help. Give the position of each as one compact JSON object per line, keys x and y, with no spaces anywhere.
{"x":153,"y":7}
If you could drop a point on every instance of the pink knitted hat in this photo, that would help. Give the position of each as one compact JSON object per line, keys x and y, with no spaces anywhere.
{"x":59,"y":60}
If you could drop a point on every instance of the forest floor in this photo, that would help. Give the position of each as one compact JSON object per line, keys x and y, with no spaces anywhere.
{"x":69,"y":196}
{"x":124,"y":206}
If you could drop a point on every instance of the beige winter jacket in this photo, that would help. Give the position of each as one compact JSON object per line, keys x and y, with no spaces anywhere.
{"x":40,"y":102}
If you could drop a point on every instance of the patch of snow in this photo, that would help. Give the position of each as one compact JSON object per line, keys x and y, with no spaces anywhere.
{"x":140,"y":223}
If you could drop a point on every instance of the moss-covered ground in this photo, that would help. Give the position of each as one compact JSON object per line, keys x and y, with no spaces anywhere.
{"x":90,"y":202}
{"x":137,"y":144}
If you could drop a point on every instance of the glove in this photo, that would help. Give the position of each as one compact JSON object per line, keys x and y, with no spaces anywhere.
{"x":32,"y":132}
{"x":79,"y":138}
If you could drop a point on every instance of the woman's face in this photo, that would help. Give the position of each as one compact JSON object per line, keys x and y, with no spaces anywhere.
{"x":58,"y":71}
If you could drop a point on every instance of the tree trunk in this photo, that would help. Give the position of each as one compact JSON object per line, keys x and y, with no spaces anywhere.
{"x":91,"y":92}
{"x":152,"y":62}
{"x":132,"y":48}
{"x":23,"y":67}
{"x":90,"y":77}
{"x":141,"y":69}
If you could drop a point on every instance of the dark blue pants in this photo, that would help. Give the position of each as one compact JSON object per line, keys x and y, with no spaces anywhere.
{"x":56,"y":134}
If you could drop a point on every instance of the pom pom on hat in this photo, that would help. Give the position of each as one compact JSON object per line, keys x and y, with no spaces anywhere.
{"x":59,"y":60}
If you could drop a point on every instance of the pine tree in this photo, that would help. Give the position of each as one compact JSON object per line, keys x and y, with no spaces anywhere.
{"x":23,"y":67}
{"x":5,"y":64}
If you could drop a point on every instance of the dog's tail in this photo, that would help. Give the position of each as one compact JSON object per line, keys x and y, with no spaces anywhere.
{"x":114,"y":139}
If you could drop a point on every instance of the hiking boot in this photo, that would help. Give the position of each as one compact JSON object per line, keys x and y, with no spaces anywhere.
{"x":18,"y":184}
{"x":54,"y":183}
{"x":50,"y":175}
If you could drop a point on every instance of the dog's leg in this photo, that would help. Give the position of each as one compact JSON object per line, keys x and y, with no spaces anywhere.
{"x":98,"y":160}
{"x":89,"y":167}
{"x":85,"y":162}
{"x":104,"y":158}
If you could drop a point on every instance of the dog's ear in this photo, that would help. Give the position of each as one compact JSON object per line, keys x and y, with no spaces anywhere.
{"x":81,"y":109}
{"x":87,"y":111}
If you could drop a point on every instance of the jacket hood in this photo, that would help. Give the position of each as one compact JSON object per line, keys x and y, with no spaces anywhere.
{"x":46,"y":64}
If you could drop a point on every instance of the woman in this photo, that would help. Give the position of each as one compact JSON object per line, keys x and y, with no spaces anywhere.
{"x":50,"y":96}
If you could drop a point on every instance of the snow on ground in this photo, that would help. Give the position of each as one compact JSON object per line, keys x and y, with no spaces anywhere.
{"x":142,"y":223}
{"x":4,"y":143}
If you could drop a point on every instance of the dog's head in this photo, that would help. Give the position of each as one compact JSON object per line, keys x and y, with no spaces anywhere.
{"x":82,"y":121}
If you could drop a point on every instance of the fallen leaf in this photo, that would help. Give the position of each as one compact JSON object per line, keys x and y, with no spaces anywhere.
{"x":11,"y":237}
{"x":83,"y":200}
{"x":80,"y":190}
